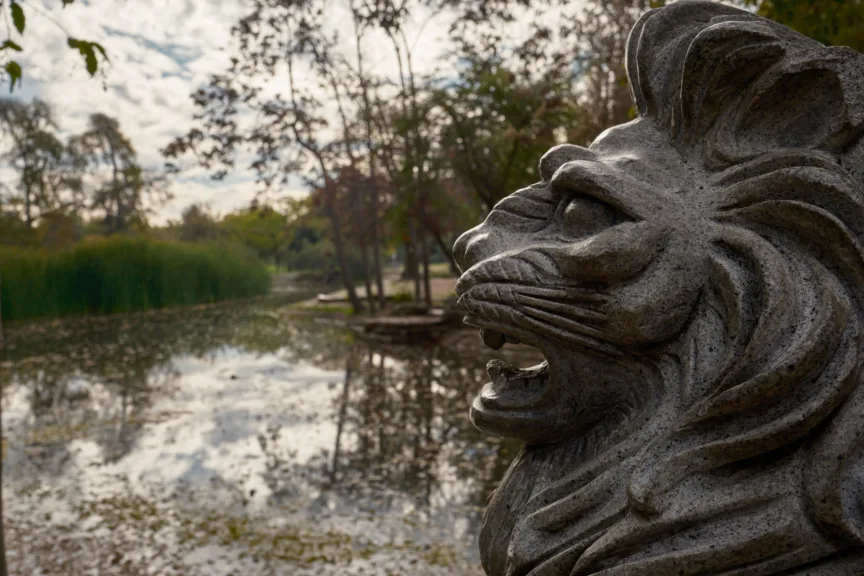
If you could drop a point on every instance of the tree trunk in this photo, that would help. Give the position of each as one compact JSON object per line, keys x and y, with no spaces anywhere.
{"x":373,"y":180}
{"x":408,"y":265}
{"x":376,"y":242}
{"x":42,"y":202}
{"x":339,"y":245}
{"x":364,"y":253}
{"x":415,"y":268}
{"x":27,"y":206}
{"x":427,"y":284}
{"x":121,"y":216}
{"x":361,"y":212}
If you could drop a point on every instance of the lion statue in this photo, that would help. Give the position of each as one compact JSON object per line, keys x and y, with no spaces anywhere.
{"x":695,"y":280}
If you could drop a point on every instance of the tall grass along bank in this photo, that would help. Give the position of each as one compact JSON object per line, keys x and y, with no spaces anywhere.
{"x":109,"y":275}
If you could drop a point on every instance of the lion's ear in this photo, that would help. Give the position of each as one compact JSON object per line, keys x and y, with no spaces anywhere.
{"x":733,"y":85}
{"x":813,"y":99}
{"x":721,"y":63}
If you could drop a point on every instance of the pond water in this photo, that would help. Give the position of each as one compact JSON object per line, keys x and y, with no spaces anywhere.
{"x":242,"y":439}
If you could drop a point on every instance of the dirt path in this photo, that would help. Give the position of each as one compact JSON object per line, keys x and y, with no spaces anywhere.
{"x":443,"y":287}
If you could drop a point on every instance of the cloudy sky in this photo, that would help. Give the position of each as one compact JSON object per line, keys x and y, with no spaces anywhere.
{"x":160,"y":51}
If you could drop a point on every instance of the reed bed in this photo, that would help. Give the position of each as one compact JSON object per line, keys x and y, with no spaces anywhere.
{"x":111,"y":275}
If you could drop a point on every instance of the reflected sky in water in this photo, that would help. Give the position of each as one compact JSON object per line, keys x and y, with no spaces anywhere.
{"x":270,"y":442}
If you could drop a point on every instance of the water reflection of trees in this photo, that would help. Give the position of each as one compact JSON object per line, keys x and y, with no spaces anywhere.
{"x":403,"y":434}
{"x":403,"y":431}
{"x":403,"y":440}
{"x":97,"y":377}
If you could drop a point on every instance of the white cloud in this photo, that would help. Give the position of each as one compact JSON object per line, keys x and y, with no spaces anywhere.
{"x":160,"y":52}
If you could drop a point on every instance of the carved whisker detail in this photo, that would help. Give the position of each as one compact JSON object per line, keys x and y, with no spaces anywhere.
{"x":567,"y":330}
{"x":562,"y":322}
{"x":564,"y":309}
{"x":570,"y":294}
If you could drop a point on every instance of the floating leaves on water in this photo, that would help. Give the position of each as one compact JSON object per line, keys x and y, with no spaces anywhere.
{"x":405,"y":449}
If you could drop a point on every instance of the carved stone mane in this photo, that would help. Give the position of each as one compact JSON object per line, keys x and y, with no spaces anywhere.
{"x":695,"y":279}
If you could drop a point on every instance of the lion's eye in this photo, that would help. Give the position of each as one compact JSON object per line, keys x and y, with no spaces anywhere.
{"x":586,"y":216}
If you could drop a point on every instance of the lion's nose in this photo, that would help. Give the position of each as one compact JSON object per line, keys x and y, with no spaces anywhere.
{"x":476,"y":245}
{"x":480,"y":243}
{"x":460,"y":250}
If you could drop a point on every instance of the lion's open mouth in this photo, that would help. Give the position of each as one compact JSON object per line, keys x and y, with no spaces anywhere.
{"x":559,"y":323}
{"x":511,"y":388}
{"x":514,"y":388}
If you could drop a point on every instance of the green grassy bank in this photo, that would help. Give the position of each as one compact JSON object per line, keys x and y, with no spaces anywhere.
{"x":109,"y":275}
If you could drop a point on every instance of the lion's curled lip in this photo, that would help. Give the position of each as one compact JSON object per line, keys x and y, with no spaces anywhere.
{"x":515,"y":398}
{"x":513,"y":388}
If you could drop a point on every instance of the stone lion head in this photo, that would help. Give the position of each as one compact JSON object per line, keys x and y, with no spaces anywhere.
{"x":695,"y":280}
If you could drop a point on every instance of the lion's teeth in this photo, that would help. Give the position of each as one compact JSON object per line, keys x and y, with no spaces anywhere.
{"x":494,"y":368}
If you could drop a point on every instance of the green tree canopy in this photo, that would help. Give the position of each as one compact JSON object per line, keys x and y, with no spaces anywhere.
{"x":123,"y":187}
{"x":832,"y":22}
{"x":496,"y":126}
{"x":46,"y":167}
{"x":198,"y":224}
{"x":261,"y":228}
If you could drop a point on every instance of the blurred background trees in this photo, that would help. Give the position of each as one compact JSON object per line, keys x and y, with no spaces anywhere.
{"x":46,"y":168}
{"x":396,"y":163}
{"x":57,"y":181}
{"x":832,"y":22}
{"x":121,"y":186}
